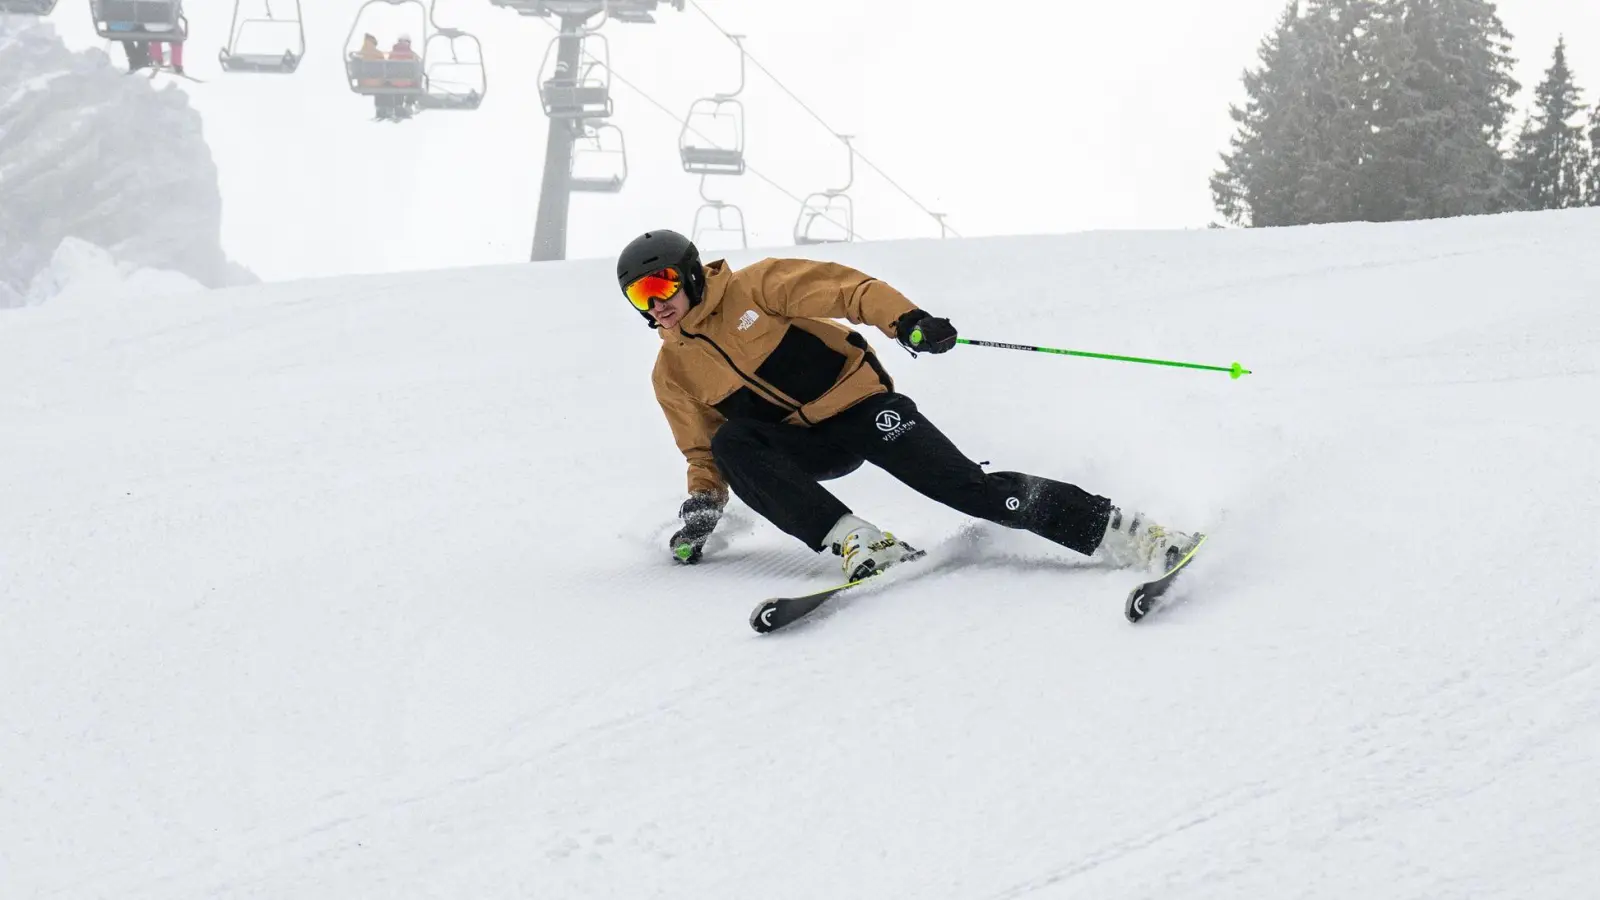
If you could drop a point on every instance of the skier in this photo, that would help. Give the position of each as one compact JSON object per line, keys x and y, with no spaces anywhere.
{"x":767,"y":396}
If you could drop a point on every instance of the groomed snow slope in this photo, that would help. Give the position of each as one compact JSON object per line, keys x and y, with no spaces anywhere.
{"x":359,"y":588}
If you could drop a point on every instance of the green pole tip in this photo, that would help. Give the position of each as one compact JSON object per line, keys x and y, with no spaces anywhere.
{"x":684,"y":551}
{"x":1237,"y":370}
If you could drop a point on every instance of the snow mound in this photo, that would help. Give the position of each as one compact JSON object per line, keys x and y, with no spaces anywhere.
{"x":81,"y":273}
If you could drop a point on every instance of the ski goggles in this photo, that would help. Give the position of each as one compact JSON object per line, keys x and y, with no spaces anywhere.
{"x":657,"y":287}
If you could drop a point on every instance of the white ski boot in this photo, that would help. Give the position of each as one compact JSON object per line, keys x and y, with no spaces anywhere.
{"x":864,"y":549}
{"x":1133,"y":541}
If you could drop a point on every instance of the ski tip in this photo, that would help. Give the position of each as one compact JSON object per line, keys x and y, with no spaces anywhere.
{"x":1136,"y":605}
{"x":761,"y":618}
{"x":1145,"y":598}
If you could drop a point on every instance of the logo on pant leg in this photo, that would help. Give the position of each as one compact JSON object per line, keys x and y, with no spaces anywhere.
{"x":890,"y":424}
{"x":1013,"y":504}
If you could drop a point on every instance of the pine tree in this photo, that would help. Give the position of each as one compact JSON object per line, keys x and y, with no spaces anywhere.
{"x":1593,"y":193}
{"x":1297,"y":155}
{"x":1258,"y":183}
{"x":1389,"y":176}
{"x":1551,"y":162}
{"x":1444,"y":112}
{"x":1336,"y":46}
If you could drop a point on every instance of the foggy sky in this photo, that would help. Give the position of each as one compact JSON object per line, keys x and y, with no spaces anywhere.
{"x":1047,"y":117}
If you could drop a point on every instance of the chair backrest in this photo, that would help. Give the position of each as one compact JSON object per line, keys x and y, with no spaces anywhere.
{"x":140,"y":12}
{"x":386,"y":69}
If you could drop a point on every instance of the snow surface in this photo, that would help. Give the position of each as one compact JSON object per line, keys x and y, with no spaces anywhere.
{"x":359,"y":588}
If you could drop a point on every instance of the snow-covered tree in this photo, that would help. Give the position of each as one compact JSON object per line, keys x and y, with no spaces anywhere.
{"x":1258,"y":184}
{"x":1551,"y":163}
{"x":1593,"y":191}
{"x":1336,"y":144}
{"x":1446,"y":106}
{"x":1302,"y":134}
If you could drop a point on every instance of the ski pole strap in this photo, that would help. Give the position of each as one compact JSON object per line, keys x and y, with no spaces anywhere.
{"x":1234,"y":371}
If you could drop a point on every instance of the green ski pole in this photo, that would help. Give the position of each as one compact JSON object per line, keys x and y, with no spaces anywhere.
{"x":1234,"y":371}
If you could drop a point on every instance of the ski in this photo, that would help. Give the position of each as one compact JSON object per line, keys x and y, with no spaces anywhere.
{"x":1146,"y":598}
{"x":778,"y":612}
{"x":167,"y":70}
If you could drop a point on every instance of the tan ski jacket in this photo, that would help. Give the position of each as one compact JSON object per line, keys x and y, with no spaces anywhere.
{"x":760,"y":346}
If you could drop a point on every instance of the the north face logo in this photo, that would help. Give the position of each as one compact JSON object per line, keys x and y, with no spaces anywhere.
{"x":749,"y":318}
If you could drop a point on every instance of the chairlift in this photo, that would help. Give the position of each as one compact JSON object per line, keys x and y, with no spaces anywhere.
{"x":832,"y":207}
{"x":580,"y":92}
{"x":454,"y":83}
{"x":717,"y":217}
{"x":265,"y":42}
{"x":27,"y":7}
{"x":707,"y":117}
{"x":599,"y":166}
{"x":404,"y":79}
{"x":712,"y":139}
{"x":140,"y":20}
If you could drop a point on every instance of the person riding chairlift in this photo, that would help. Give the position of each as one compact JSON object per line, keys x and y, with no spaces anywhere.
{"x":158,"y":57}
{"x":404,"y":106}
{"x":138,"y":53}
{"x":370,"y":52}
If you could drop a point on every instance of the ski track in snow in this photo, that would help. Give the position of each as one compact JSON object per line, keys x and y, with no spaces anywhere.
{"x":360,"y":588}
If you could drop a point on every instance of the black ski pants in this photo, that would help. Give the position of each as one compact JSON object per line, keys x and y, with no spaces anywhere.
{"x":776,"y":469}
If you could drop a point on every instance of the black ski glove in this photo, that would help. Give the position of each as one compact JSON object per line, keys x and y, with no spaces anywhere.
{"x":700,"y":514}
{"x":922,"y":333}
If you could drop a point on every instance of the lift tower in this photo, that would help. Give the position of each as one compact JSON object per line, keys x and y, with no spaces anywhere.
{"x":576,"y":93}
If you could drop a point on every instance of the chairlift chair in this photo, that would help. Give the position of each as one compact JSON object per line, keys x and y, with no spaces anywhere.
{"x":713,"y":217}
{"x":465,"y":92}
{"x":722,"y":117}
{"x":257,"y":31}
{"x":712,"y":139}
{"x":835,"y":210}
{"x":140,"y":20}
{"x":832,"y":207}
{"x":590,"y":151}
{"x":28,"y":7}
{"x":403,"y":78}
{"x":583,"y":92}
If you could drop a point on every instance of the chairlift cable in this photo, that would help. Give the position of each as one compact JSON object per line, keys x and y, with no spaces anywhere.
{"x":682,"y":122}
{"x":831,"y":130}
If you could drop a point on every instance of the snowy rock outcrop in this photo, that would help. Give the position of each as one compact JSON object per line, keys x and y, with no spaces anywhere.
{"x":89,"y":152}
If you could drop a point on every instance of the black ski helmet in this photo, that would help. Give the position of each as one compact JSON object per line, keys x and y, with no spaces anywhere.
{"x":655,"y":250}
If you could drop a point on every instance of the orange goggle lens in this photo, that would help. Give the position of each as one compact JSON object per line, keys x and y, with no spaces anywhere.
{"x":659,"y":287}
